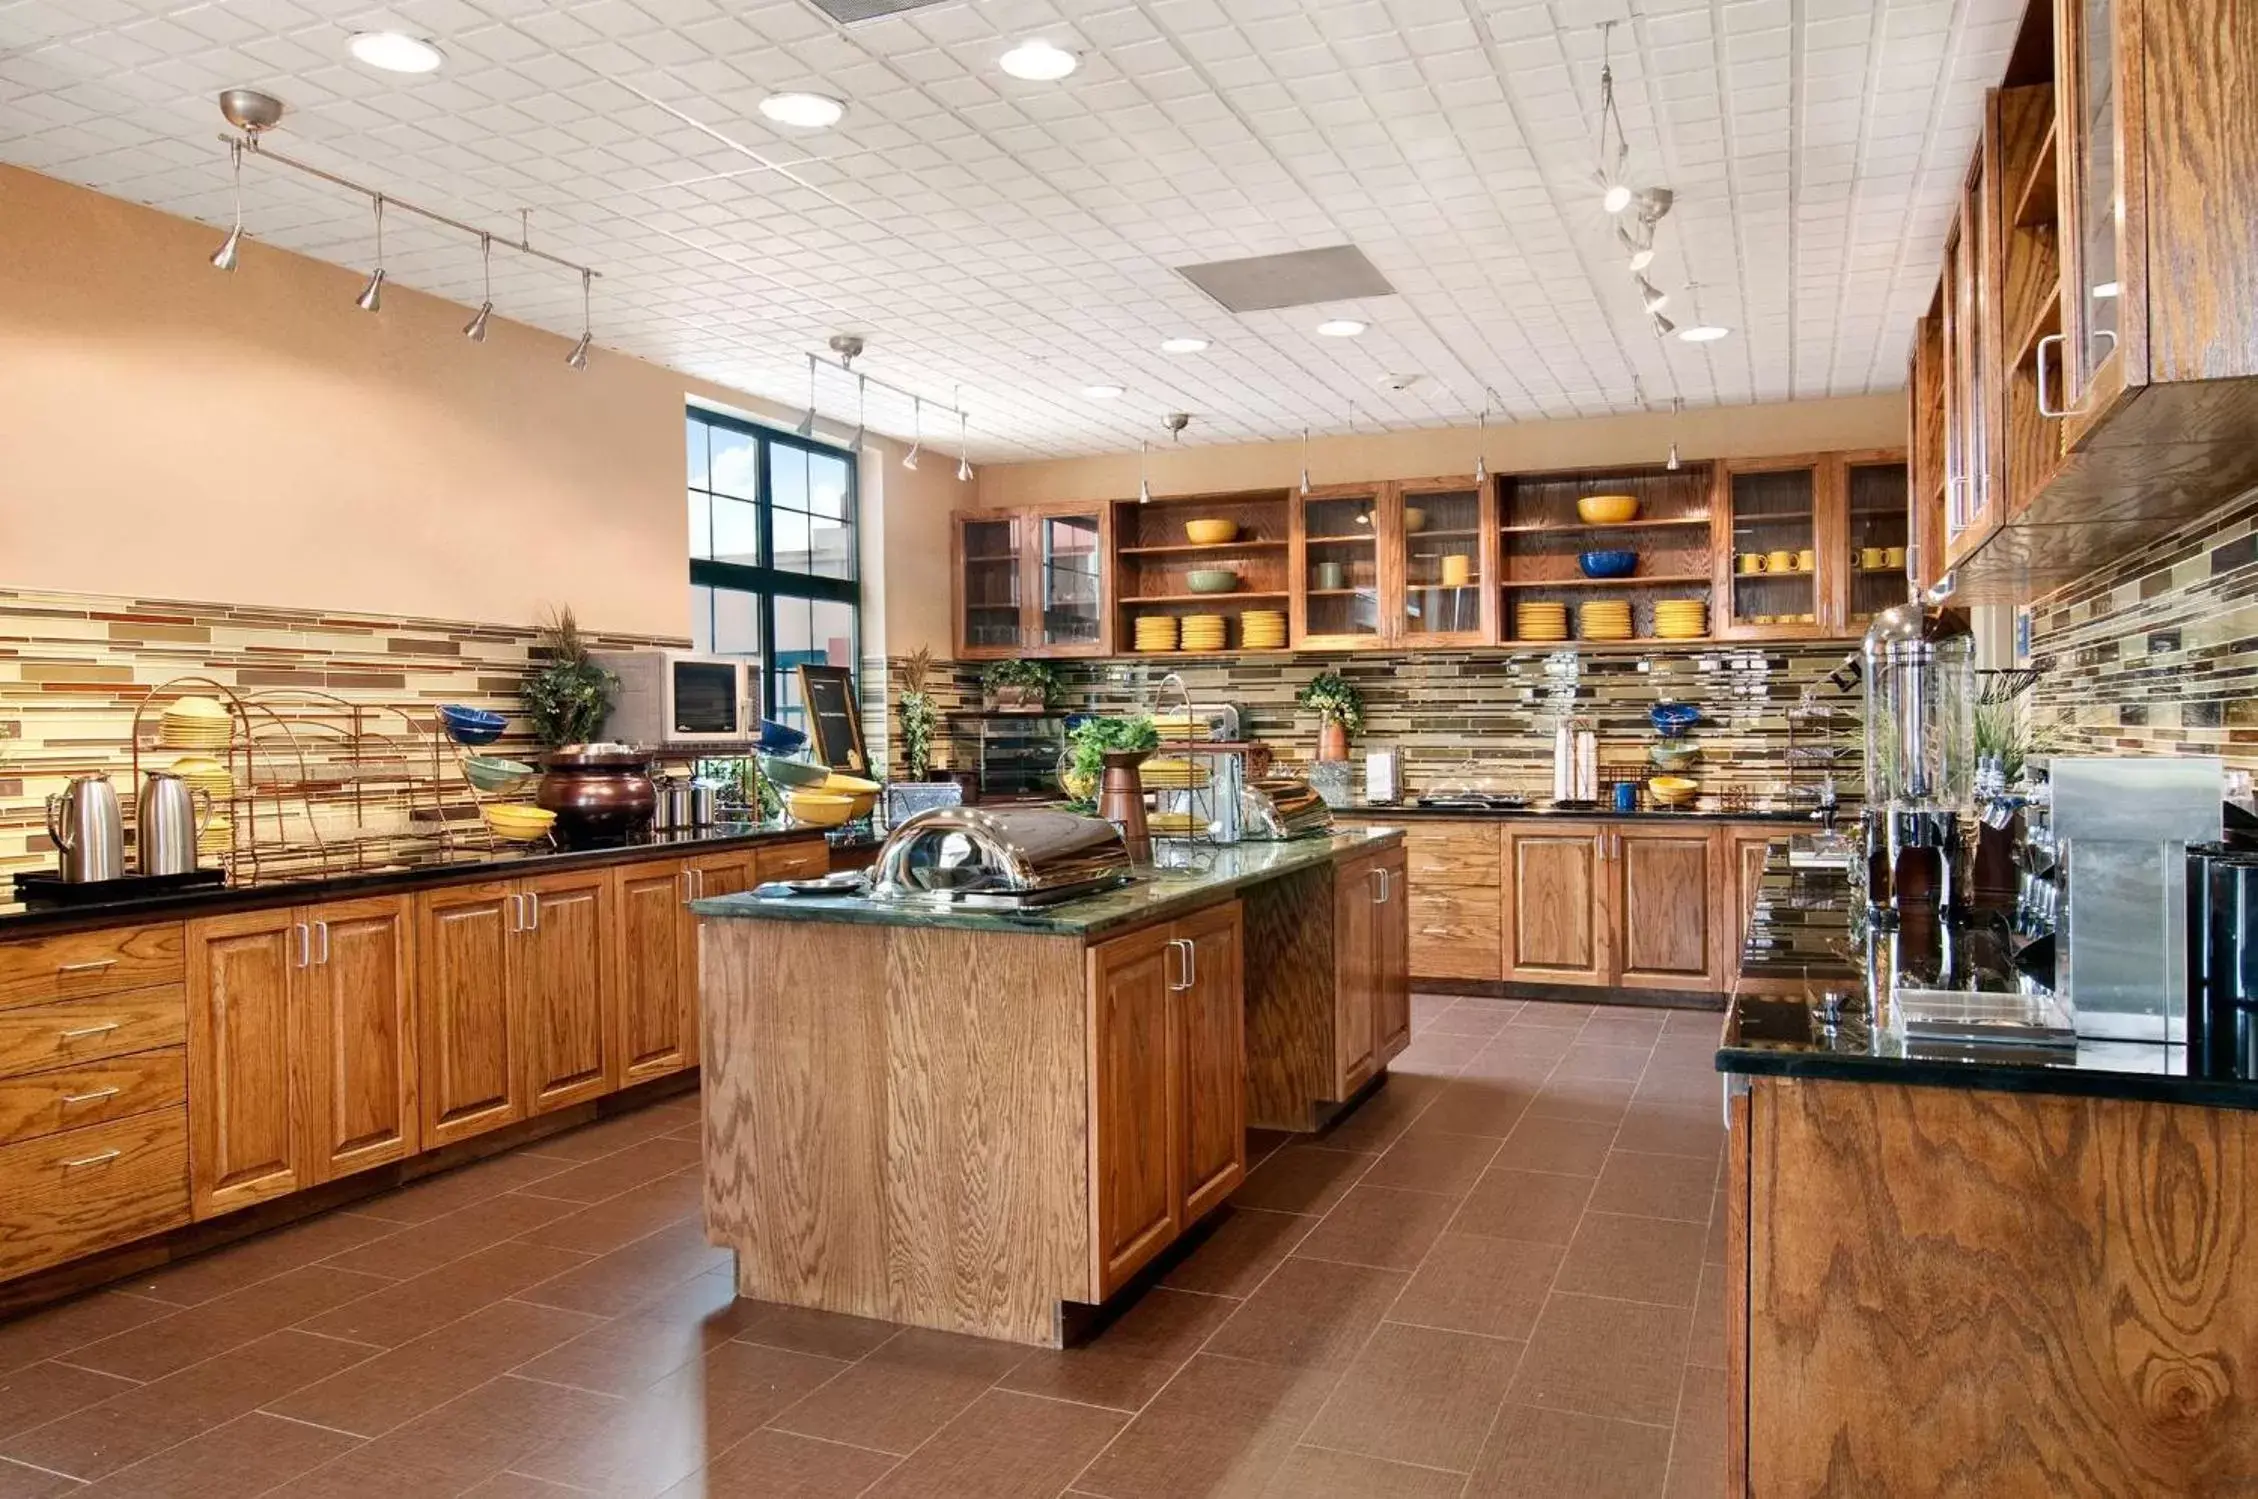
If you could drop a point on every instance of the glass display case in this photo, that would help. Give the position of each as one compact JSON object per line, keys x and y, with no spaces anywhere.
{"x":988,"y":578}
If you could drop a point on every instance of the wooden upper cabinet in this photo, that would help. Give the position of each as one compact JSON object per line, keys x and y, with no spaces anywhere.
{"x":1556,"y":932}
{"x":562,"y":973}
{"x":356,"y":1007}
{"x":1135,"y":1119}
{"x":1875,"y":553}
{"x":1032,"y":582}
{"x":466,"y":954}
{"x":1972,"y":502}
{"x":1779,"y":556}
{"x":246,"y":1090}
{"x":1445,"y":540}
{"x":654,"y":995}
{"x":1661,"y":907}
{"x":1343,"y":578}
{"x":1211,"y":1027}
{"x":1925,"y":402}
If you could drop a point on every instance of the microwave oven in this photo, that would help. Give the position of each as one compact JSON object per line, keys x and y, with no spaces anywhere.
{"x":680,"y":697}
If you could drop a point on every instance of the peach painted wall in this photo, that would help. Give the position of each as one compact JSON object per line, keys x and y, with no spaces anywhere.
{"x":170,"y":431}
{"x":1717,"y":432}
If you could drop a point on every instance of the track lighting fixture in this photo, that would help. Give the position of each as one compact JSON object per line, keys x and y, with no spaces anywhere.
{"x":1650,"y":296}
{"x":372,"y":295}
{"x":1677,"y":407}
{"x":806,"y":428}
{"x":224,"y":257}
{"x":1482,"y":442}
{"x":578,"y":358}
{"x":1144,"y":484}
{"x":1639,"y":247}
{"x":1663,"y":327}
{"x":964,"y":449}
{"x":917,"y":431}
{"x":1305,"y":462}
{"x":475,"y":329}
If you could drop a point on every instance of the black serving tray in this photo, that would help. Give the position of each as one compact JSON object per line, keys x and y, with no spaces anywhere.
{"x":46,"y":888}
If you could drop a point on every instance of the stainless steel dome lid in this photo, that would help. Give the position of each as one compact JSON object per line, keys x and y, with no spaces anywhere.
{"x":1012,"y":855}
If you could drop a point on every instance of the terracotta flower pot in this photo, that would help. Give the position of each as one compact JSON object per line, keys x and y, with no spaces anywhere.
{"x":1121,"y":801}
{"x":1332,"y":741}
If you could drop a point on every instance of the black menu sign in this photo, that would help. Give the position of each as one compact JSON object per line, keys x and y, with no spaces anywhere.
{"x":829,"y":694}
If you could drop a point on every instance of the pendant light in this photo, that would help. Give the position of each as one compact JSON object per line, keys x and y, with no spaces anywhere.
{"x":1663,"y":327}
{"x":806,"y":428}
{"x":578,"y":358}
{"x":475,"y":329}
{"x":1677,"y":405}
{"x":964,"y":444}
{"x":862,"y":405}
{"x":372,"y":295}
{"x":917,"y":431}
{"x":224,"y":257}
{"x":1305,"y":462}
{"x":1144,"y":485}
{"x":1363,"y":506}
{"x":1482,"y":442}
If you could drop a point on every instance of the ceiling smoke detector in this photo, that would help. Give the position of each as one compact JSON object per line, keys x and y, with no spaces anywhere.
{"x":1399,"y":381}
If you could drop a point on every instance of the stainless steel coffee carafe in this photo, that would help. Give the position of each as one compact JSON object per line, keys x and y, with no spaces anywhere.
{"x":166,"y":822}
{"x":88,"y":829}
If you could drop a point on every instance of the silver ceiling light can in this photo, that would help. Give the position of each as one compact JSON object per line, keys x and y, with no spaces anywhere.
{"x":917,"y":431}
{"x":224,"y":257}
{"x":578,"y":358}
{"x":371,"y":298}
{"x":475,"y":329}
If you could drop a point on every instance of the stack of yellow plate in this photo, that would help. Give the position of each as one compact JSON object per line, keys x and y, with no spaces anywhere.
{"x":209,"y":775}
{"x":1156,"y":632}
{"x":217,"y":838}
{"x":1681,"y":619}
{"x":1172,"y":775}
{"x":195,"y":723}
{"x":1175,"y":824}
{"x":1604,"y":619}
{"x":1203,"y":632}
{"x":1534,"y":620}
{"x":1263,"y":630}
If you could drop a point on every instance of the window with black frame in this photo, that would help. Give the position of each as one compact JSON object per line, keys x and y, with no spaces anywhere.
{"x":773,"y":549}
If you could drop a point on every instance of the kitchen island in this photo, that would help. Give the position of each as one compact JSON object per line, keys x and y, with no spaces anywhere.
{"x":1962,"y":1268}
{"x":969,"y":1119}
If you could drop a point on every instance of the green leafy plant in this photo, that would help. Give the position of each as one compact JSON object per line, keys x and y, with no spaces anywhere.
{"x":2004,"y":731}
{"x":566,"y":695}
{"x":918,"y":715}
{"x":1034,"y":674}
{"x":1092,"y":740}
{"x":1334,"y":699}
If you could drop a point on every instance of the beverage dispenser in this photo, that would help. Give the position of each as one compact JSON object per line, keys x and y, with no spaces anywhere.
{"x":1920,"y":675}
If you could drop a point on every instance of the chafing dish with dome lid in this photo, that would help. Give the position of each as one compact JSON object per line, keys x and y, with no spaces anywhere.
{"x":1005,"y":858}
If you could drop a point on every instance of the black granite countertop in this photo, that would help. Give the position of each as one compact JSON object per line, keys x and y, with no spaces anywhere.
{"x":1820,"y":998}
{"x":1411,"y":810}
{"x":471,"y":861}
{"x":1154,"y":895}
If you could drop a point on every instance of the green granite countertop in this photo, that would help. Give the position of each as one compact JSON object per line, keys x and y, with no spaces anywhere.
{"x":1157,"y":894}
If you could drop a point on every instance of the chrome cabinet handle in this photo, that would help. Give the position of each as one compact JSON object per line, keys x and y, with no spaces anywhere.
{"x":535,"y":897}
{"x":682,"y":883}
{"x":92,"y":1160}
{"x":1191,"y":962}
{"x":516,"y":904}
{"x":73,"y":1100}
{"x":321,"y":930}
{"x":305,"y":943}
{"x":2043,"y":408}
{"x":94,"y":966}
{"x":1183,"y":948}
{"x":697,"y":884}
{"x":84,"y":1031}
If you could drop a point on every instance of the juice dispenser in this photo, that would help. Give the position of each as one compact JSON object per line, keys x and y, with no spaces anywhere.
{"x":1920,"y":673}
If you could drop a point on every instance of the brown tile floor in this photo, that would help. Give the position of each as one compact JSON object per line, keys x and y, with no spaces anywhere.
{"x":1498,"y":1277}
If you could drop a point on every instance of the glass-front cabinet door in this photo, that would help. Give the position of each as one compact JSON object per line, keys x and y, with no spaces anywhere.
{"x":2089,"y":146}
{"x":1441,"y":558}
{"x":1968,"y":517}
{"x":1772,"y":515}
{"x":1877,"y":500}
{"x":1338,"y":557}
{"x":990,"y":574}
{"x":1069,"y":578}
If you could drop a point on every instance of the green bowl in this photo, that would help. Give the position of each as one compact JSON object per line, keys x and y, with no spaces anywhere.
{"x":493,"y":773}
{"x":1211,"y":580}
{"x":794,"y":772}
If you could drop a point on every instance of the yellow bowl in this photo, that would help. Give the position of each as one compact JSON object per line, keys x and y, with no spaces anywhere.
{"x":819,"y":809}
{"x":1607,"y":509}
{"x":1670,"y":790}
{"x":517,"y":823}
{"x":1211,"y":532}
{"x":863,"y":794}
{"x":1414,"y":520}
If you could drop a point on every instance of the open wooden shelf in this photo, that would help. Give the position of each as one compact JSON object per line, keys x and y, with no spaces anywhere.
{"x":1367,"y":539}
{"x":1194,"y":548}
{"x":1550,"y":528}
{"x":1414,"y":537}
{"x":2037,"y":197}
{"x":1657,"y":580}
{"x":1201,"y":598}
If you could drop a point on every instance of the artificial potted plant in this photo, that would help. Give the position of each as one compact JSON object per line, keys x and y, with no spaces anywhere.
{"x":1340,"y":712}
{"x":918,"y":716}
{"x":566,"y":695}
{"x":1018,"y":686}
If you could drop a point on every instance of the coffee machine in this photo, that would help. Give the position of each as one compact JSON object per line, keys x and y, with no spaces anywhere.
{"x":1919,"y":668}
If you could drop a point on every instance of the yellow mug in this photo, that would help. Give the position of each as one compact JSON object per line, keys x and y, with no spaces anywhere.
{"x":1894,"y":556}
{"x":1781,"y":561}
{"x":1752,"y":562}
{"x":1457,"y":568}
{"x":1806,"y":560}
{"x":1870,"y":558}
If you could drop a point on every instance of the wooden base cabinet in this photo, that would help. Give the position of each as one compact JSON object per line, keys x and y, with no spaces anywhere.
{"x":1556,"y":926}
{"x":1662,"y":908}
{"x":655,"y":992}
{"x":561,"y":987}
{"x":1167,"y":1085}
{"x":301,"y":1049}
{"x":466,"y":945}
{"x":1372,"y":989}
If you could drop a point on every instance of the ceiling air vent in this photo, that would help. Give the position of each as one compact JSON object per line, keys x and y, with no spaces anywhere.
{"x":847,"y":12}
{"x":1299,"y":278}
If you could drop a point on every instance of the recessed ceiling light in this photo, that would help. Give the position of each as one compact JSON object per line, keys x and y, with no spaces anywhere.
{"x":1182,"y":345}
{"x":1706,"y":333}
{"x":395,"y":52}
{"x":806,"y":111}
{"x":1039,"y":62}
{"x":1340,"y":327}
{"x":1101,"y":392}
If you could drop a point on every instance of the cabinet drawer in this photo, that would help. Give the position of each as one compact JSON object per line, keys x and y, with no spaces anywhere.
{"x":1457,"y":934}
{"x":96,"y":962}
{"x":87,"y":1189}
{"x":44,"y":1103}
{"x":1456,"y":854}
{"x":36,"y":1037}
{"x":795,"y":861}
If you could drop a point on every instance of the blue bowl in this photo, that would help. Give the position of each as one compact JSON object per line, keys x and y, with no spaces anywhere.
{"x":1608,"y":564}
{"x":1672,"y":719}
{"x":780,"y":739}
{"x":471,"y":725}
